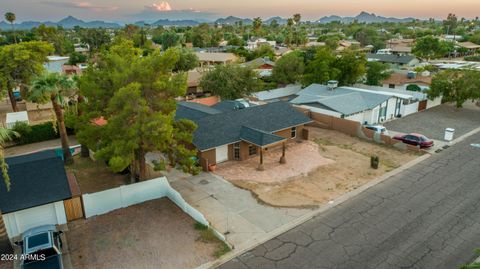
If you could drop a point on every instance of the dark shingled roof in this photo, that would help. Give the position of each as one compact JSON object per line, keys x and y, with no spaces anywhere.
{"x":225,"y":128}
{"x":37,"y":179}
{"x":391,"y":58}
{"x":194,"y":111}
{"x":259,"y":137}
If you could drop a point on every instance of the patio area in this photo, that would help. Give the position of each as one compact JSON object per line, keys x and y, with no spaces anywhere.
{"x":302,"y":157}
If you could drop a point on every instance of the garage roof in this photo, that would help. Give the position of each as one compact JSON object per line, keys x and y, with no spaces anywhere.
{"x":36,"y":179}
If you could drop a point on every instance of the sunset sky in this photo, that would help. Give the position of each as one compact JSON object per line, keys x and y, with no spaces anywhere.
{"x":128,"y":10}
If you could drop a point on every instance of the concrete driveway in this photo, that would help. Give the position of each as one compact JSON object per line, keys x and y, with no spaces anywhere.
{"x":432,"y":122}
{"x":232,"y":211}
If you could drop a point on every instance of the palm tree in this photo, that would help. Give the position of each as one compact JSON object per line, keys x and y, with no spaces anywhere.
{"x":53,"y":88}
{"x":10,"y":17}
{"x":257,"y":24}
{"x":5,"y":135}
{"x":296,"y":18}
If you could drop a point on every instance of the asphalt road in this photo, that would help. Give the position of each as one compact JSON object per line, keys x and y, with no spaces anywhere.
{"x":427,"y":216}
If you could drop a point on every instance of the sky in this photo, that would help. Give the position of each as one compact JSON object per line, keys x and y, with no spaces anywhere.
{"x":134,"y":10}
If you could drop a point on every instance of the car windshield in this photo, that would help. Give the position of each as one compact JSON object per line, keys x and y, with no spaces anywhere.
{"x":424,"y":138}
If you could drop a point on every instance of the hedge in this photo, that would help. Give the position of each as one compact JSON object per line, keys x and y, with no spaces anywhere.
{"x":473,"y":58}
{"x":35,"y":133}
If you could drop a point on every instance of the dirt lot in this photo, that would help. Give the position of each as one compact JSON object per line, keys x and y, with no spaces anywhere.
{"x":154,"y":234}
{"x":93,"y":176}
{"x":350,"y":169}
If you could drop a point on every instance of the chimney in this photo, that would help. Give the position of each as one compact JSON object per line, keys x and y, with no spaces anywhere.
{"x":332,"y":84}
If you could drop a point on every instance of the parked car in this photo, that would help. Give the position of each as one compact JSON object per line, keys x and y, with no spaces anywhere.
{"x":415,"y":140}
{"x":41,"y":248}
{"x":378,"y":129}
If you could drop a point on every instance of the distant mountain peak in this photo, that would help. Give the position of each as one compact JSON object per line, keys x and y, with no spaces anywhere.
{"x":363,"y":17}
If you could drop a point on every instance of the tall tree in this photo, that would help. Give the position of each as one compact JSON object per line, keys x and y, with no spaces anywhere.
{"x":456,"y":86}
{"x":187,"y":60}
{"x":136,"y":95}
{"x":289,"y":68}
{"x":376,"y":72}
{"x":296,"y":18}
{"x":429,"y":47}
{"x":320,"y":69}
{"x":53,"y":88}
{"x":230,"y":81}
{"x":352,"y":66}
{"x":167,"y":39}
{"x":257,"y":24}
{"x":10,"y":17}
{"x":20,"y":63}
{"x":5,"y":135}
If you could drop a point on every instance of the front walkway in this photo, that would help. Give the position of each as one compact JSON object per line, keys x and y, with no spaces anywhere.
{"x":232,"y":211}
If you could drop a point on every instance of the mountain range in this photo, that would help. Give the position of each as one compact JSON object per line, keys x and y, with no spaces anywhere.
{"x":363,"y":17}
{"x":70,"y":22}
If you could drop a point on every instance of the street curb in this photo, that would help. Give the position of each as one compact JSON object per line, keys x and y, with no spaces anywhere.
{"x":240,"y":249}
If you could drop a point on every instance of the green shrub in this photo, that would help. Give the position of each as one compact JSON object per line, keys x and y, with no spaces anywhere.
{"x":34,"y":133}
{"x":473,"y":58}
{"x":414,"y":88}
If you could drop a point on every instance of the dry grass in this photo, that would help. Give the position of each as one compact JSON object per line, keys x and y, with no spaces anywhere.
{"x":93,"y":176}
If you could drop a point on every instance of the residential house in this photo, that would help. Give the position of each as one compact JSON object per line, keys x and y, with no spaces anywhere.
{"x":395,"y":61}
{"x":280,"y":51}
{"x":39,"y":188}
{"x":238,"y":134}
{"x":253,"y":44}
{"x":411,"y":101}
{"x":55,"y":63}
{"x":471,"y":47}
{"x":213,"y":58}
{"x":348,"y":103}
{"x":263,"y":66}
{"x":281,"y":94}
{"x":399,"y":80}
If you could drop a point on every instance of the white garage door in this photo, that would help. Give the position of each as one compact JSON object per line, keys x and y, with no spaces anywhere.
{"x":20,"y":221}
{"x":221,"y":153}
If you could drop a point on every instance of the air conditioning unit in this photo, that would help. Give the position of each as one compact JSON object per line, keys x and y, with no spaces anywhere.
{"x":382,"y":119}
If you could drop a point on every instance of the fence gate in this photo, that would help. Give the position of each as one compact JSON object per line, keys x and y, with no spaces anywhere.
{"x":422,"y":105}
{"x":73,"y":208}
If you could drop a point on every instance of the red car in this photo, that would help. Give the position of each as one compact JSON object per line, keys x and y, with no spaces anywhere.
{"x":415,"y":140}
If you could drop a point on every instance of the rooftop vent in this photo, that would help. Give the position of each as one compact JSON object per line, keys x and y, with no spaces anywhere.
{"x":332,"y":84}
{"x":411,"y":74}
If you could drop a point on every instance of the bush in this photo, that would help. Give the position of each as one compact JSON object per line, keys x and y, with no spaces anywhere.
{"x":414,"y":88}
{"x":473,"y":58}
{"x":35,"y":133}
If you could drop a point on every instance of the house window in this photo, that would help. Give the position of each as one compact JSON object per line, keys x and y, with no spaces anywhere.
{"x":252,"y":150}
{"x":391,"y":86}
{"x":236,"y":151}
{"x":293,"y":132}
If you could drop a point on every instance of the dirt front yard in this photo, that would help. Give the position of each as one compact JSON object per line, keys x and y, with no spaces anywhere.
{"x":349,"y":168}
{"x":154,"y":234}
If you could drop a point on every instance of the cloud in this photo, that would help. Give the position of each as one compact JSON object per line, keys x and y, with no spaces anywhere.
{"x":82,"y":5}
{"x":163,"y":10}
{"x":162,"y":6}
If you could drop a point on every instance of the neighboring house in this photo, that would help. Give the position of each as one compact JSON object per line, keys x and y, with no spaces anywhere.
{"x":253,"y":44}
{"x":411,"y":101}
{"x":401,"y":81}
{"x":81,"y":48}
{"x":13,"y":117}
{"x":346,"y":44}
{"x":213,"y":58}
{"x":239,"y":134}
{"x":397,"y":61}
{"x":280,"y":51}
{"x":471,"y":47}
{"x":71,"y":70}
{"x":263,"y":66}
{"x":348,"y":103}
{"x":451,"y":38}
{"x":55,"y":63}
{"x":314,"y":44}
{"x":281,"y":94}
{"x":193,"y":81}
{"x":39,"y":188}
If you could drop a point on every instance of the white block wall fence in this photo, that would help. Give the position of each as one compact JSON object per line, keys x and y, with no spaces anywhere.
{"x":105,"y":201}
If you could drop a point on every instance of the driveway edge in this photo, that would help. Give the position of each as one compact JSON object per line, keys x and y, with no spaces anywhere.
{"x":240,"y":249}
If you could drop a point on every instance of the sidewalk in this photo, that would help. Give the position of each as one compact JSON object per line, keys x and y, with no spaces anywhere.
{"x":232,"y":211}
{"x":34,"y":147}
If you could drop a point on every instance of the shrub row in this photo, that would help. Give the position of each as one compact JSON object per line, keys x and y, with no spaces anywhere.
{"x":35,"y":133}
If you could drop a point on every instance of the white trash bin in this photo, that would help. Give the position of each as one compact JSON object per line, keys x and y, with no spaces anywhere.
{"x":449,"y":134}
